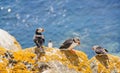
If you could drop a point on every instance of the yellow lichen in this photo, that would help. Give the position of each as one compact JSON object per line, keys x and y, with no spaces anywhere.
{"x":3,"y":68}
{"x":2,"y":50}
{"x":24,"y":56}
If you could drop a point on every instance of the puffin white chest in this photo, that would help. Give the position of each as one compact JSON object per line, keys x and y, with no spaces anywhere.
{"x":73,"y":45}
{"x":50,"y":44}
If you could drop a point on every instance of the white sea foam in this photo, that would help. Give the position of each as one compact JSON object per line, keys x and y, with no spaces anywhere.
{"x":9,"y":10}
{"x":18,"y":16}
{"x":51,"y":9}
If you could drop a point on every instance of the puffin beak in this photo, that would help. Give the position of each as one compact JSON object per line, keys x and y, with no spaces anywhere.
{"x":93,"y":48}
{"x":42,"y":30}
{"x":78,"y":43}
{"x":39,"y":31}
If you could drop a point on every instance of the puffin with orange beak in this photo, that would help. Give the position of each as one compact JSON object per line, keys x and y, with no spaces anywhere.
{"x":39,"y":39}
{"x":69,"y":44}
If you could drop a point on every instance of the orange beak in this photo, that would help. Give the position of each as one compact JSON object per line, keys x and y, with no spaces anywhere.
{"x":78,"y":43}
{"x":93,"y":48}
{"x":42,"y":30}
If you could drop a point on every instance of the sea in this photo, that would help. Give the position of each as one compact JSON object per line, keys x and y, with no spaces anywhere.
{"x":95,"y":22}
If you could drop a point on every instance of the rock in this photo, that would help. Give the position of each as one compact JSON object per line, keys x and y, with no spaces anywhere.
{"x":53,"y":61}
{"x":8,"y":42}
{"x":56,"y":61}
{"x":105,"y":64}
{"x":54,"y":67}
{"x":66,"y":61}
{"x":16,"y":61}
{"x":42,"y":66}
{"x":3,"y":61}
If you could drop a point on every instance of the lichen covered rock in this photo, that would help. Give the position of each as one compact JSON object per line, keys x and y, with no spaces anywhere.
{"x":53,"y":60}
{"x":105,"y":64}
{"x":71,"y":61}
{"x":16,"y":61}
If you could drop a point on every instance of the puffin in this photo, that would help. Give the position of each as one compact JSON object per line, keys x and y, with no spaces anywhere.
{"x":99,"y":50}
{"x":69,"y":44}
{"x":50,"y":44}
{"x":39,"y":39}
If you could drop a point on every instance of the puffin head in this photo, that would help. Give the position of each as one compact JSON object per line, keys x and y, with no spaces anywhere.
{"x":39,"y":30}
{"x":76,"y":40}
{"x":96,"y":47}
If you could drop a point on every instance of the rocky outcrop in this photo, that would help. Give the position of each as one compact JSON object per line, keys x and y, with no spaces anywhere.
{"x":8,"y":42}
{"x":105,"y":64}
{"x":65,"y":60}
{"x":53,"y":61}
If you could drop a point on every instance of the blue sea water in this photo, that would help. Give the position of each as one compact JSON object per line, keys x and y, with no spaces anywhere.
{"x":94,"y":21}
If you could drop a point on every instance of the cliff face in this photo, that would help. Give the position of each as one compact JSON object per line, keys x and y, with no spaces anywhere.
{"x":105,"y":64}
{"x":8,"y":42}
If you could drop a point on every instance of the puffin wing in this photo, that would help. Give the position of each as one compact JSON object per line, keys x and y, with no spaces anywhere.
{"x":66,"y":44}
{"x":101,"y":51}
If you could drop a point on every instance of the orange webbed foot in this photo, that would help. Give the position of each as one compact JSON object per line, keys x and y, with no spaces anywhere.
{"x":73,"y":51}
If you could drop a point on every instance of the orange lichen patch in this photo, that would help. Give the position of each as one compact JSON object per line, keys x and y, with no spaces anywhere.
{"x":24,"y":56}
{"x":5,"y":61}
{"x":104,"y":63}
{"x":3,"y":66}
{"x":113,"y":59}
{"x":117,"y":65}
{"x":2,"y":50}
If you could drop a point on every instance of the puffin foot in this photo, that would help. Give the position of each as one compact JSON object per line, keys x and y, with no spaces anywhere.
{"x":73,"y":51}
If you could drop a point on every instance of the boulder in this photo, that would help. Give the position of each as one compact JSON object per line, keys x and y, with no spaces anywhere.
{"x":8,"y":42}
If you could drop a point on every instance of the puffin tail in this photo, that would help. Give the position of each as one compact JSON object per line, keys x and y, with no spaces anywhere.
{"x":106,"y":50}
{"x":61,"y":47}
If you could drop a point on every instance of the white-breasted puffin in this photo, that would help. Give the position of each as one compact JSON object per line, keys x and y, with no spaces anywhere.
{"x":39,"y":39}
{"x":69,"y":44}
{"x":50,"y":44}
{"x":99,"y":50}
